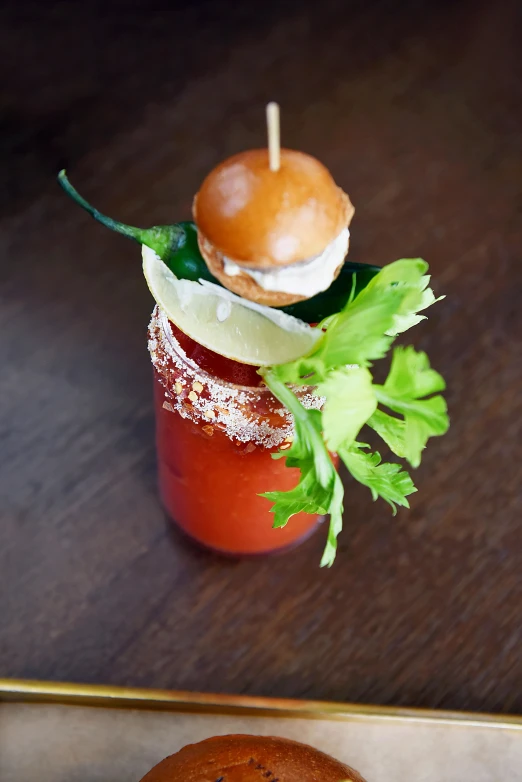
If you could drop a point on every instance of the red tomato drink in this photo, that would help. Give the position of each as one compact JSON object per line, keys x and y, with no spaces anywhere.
{"x":216,"y":428}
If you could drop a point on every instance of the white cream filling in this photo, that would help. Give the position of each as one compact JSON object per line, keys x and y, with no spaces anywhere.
{"x":303,"y":279}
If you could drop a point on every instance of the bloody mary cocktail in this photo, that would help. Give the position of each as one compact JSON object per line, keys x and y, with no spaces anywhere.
{"x":243,"y":284}
{"x":216,"y":428}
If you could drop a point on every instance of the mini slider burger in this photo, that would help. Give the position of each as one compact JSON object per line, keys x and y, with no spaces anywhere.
{"x":250,"y":759}
{"x":273,"y":232}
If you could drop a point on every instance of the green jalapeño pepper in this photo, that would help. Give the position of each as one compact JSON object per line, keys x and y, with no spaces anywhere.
{"x":177,"y":246}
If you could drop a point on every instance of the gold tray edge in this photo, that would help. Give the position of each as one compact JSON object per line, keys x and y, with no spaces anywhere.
{"x":22,"y":690}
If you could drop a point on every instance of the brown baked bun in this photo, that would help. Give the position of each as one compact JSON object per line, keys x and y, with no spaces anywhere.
{"x":263,"y":219}
{"x":250,"y":759}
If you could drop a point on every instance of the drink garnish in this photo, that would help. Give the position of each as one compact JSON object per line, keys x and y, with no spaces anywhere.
{"x":177,"y":246}
{"x":406,"y":410}
{"x":225,"y":323}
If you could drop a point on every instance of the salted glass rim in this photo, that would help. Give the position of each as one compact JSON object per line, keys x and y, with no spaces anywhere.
{"x":165,"y":321}
{"x":250,"y":414}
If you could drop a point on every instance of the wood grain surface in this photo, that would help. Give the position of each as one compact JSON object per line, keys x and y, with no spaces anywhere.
{"x":417,"y":109}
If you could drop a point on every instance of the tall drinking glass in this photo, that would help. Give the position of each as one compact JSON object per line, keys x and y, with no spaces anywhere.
{"x":217,"y":426}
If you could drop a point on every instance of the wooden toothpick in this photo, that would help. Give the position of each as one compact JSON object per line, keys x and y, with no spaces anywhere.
{"x":274,"y":143}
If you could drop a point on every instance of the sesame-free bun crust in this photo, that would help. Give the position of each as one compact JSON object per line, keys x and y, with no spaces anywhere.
{"x":243,"y":284}
{"x":250,"y":759}
{"x":264,"y":218}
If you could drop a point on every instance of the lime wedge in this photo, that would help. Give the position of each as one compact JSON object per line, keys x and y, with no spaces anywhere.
{"x":225,"y":323}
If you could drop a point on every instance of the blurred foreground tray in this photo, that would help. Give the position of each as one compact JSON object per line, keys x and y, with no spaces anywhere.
{"x":54,"y":732}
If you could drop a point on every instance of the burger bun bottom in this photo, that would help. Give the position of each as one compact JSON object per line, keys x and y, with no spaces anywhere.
{"x":243,"y":284}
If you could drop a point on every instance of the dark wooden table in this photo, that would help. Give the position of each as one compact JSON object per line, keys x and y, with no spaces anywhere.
{"x":417,"y":110}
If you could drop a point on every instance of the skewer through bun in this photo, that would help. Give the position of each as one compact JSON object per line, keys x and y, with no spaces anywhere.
{"x":274,"y":237}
